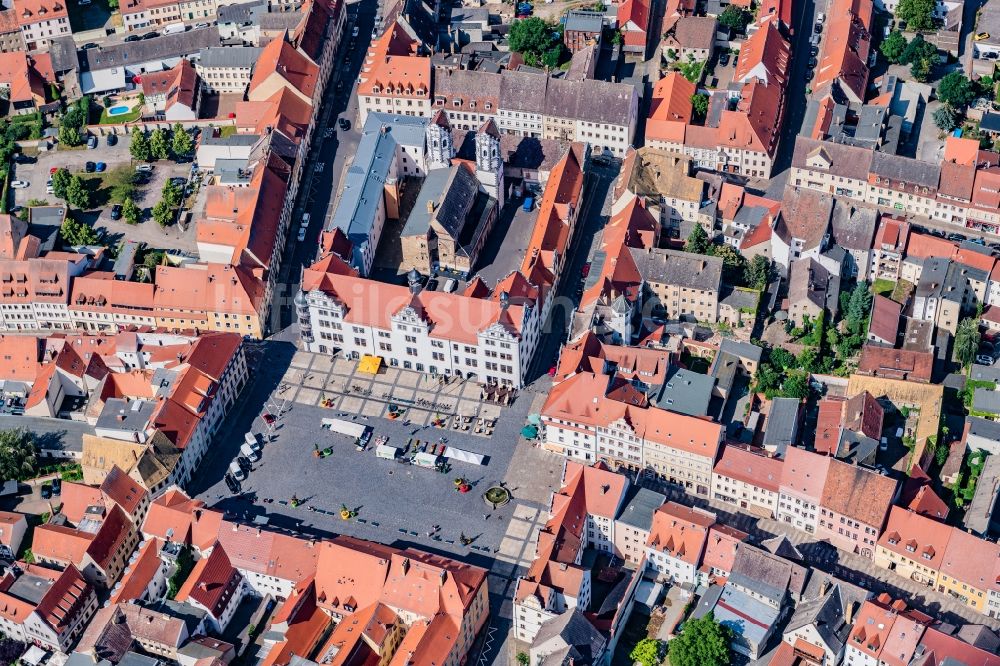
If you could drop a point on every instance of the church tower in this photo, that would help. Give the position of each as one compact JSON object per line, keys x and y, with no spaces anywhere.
{"x":489,"y":165}
{"x":440,"y":143}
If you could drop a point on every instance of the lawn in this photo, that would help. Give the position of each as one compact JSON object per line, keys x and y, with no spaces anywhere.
{"x":129,"y":117}
{"x":110,"y":187}
{"x":227,"y":131}
{"x":883,"y":287}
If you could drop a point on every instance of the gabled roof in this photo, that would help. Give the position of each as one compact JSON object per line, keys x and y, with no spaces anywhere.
{"x":212,"y":582}
{"x":280,"y":58}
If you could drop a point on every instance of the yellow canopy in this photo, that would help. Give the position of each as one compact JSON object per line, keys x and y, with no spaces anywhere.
{"x":370,"y":364}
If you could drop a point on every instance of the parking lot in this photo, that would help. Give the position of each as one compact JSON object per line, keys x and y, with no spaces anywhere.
{"x":394,"y":500}
{"x":118,"y":160}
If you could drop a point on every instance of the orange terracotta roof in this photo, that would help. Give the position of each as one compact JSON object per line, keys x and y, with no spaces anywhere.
{"x":33,"y":11}
{"x":139,"y":574}
{"x":764,"y":56}
{"x":844,"y":55}
{"x":24,"y":82}
{"x":681,"y":532}
{"x":280,"y":58}
{"x":670,"y":108}
{"x":804,"y":473}
{"x":961,"y":150}
{"x":744,"y":465}
{"x":20,"y":358}
{"x":916,"y":537}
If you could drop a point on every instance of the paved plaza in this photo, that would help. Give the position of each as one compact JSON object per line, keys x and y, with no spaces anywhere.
{"x":395,"y":502}
{"x":317,"y":378}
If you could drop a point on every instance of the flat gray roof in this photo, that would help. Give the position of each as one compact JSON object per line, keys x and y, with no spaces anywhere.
{"x":30,"y":588}
{"x":638,"y":512}
{"x":229,"y":56}
{"x":686,"y":392}
{"x":985,"y":373}
{"x":986,"y":400}
{"x":782,"y":423}
{"x":126,"y":415}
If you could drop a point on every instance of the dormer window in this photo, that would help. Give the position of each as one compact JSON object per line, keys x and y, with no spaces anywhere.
{"x":488,"y":106}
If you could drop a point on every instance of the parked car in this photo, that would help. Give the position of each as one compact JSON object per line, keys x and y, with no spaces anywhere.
{"x":984,"y":360}
{"x":818,"y":28}
{"x":306,"y":219}
{"x":133,"y":38}
{"x":232,"y":484}
{"x":354,"y":31}
{"x":116,"y":212}
{"x":199,"y":26}
{"x":53,"y":170}
{"x":57,"y":487}
{"x":101,"y":167}
{"x":724,"y":59}
{"x":91,"y":142}
{"x":46,"y":491}
{"x":21,"y":158}
{"x":19,"y":184}
{"x":90,"y":45}
{"x":585,"y":271}
{"x":344,"y":124}
{"x":151,"y":35}
{"x":178,"y":180}
{"x":813,"y":50}
{"x":812,"y":63}
{"x":112,"y":139}
{"x":90,"y":167}
{"x":268,"y":418}
{"x":302,"y":234}
{"x":809,"y":75}
{"x":145,"y":168}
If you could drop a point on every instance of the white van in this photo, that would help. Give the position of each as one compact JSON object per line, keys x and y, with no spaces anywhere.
{"x":249,"y":452}
{"x":173,"y":29}
{"x":450,"y":285}
{"x":237,"y":471}
{"x":253,"y":440}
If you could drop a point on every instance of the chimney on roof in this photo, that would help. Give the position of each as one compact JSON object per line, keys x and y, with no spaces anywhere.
{"x":849,"y":613}
{"x":406,"y":565}
{"x":444,"y":576}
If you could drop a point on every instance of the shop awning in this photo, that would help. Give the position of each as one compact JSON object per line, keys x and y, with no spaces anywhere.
{"x":370,"y":364}
{"x":386,"y":451}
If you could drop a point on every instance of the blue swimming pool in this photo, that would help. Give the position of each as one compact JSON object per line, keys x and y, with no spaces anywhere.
{"x":119,"y":110}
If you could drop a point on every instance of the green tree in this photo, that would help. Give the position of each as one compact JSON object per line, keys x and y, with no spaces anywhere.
{"x":734,"y":264}
{"x":139,"y":146}
{"x":967,"y":339}
{"x":796,"y":385}
{"x":782,"y":358}
{"x":154,"y":259}
{"x":130,"y":212}
{"x":70,"y":136}
{"x":768,"y":380}
{"x":697,"y":241}
{"x":172,"y":194}
{"x":552,"y":57}
{"x":893,"y":47}
{"x":163,"y":213}
{"x":758,"y":272}
{"x":77,"y":233}
{"x":921,"y":69}
{"x":859,"y":308}
{"x":736,"y":18}
{"x":955,"y":90}
{"x":649,"y":652}
{"x":77,"y":194}
{"x":702,"y":642}
{"x":182,"y":143}
{"x":918,"y":14}
{"x":523,"y":659}
{"x":699,"y":103}
{"x":945,"y":118}
{"x":18,"y":454}
{"x":530,"y":37}
{"x":918,"y":48}
{"x":159,"y":145}
{"x":60,"y":181}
